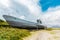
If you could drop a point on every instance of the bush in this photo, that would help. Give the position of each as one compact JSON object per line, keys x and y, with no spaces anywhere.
{"x":49,"y":29}
{"x":7,"y":33}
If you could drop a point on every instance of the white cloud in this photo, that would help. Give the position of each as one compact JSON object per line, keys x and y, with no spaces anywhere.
{"x":22,"y":17}
{"x":5,"y":3}
{"x":52,"y":17}
{"x":32,"y":6}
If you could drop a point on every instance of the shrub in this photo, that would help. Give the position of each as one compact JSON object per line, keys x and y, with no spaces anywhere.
{"x":49,"y":29}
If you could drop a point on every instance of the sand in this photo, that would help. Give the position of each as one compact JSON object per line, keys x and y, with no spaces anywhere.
{"x":44,"y":35}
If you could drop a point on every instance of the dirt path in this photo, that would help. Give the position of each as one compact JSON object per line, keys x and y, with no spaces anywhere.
{"x":45,"y":35}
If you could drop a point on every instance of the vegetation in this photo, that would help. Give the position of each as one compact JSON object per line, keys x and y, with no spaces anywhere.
{"x":49,"y":29}
{"x":9,"y":33}
{"x":2,"y":22}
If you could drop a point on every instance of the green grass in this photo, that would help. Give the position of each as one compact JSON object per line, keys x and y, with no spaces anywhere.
{"x":49,"y":29}
{"x":7,"y":33}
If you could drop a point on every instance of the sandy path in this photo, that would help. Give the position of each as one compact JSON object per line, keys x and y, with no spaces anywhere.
{"x":45,"y":35}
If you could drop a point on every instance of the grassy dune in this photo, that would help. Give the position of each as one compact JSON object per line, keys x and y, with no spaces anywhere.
{"x":7,"y":33}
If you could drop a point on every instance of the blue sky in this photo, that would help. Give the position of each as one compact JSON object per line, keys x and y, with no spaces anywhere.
{"x":46,"y":10}
{"x":45,"y":4}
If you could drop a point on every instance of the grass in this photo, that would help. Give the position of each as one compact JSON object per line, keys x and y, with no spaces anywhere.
{"x":49,"y":29}
{"x":7,"y":33}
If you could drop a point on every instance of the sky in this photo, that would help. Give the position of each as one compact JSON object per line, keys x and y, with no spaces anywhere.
{"x":48,"y":11}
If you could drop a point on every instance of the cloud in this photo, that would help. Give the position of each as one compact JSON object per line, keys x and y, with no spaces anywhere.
{"x":32,"y":5}
{"x":5,"y":3}
{"x":51,"y":17}
{"x":22,"y":17}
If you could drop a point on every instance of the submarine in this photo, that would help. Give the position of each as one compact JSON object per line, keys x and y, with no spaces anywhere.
{"x":20,"y":23}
